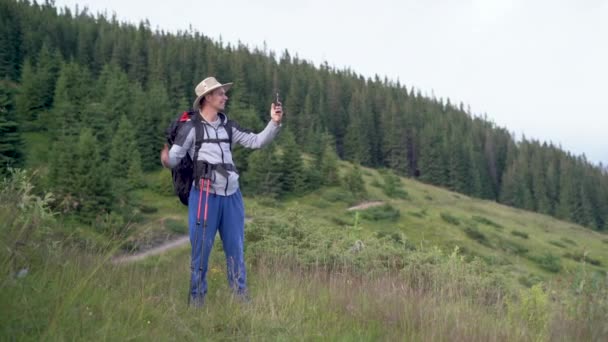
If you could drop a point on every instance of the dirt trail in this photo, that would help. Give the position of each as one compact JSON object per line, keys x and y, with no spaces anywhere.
{"x":168,"y":245}
{"x":366,"y":205}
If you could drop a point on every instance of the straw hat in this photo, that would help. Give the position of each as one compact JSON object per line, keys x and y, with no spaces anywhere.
{"x":206,"y":86}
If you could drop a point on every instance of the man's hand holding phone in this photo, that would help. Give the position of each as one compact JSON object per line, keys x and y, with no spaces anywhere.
{"x":276,"y":111}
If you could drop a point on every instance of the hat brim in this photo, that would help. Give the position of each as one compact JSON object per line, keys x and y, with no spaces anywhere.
{"x":197,"y":102}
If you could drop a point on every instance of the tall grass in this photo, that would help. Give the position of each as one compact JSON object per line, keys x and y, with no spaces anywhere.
{"x":304,"y":286}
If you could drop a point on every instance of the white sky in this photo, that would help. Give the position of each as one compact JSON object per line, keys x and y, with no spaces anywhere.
{"x":537,"y":67}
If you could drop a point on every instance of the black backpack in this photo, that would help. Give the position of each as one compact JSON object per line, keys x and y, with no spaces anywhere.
{"x":183,"y":172}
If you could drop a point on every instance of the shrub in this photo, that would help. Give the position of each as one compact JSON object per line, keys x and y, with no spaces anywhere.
{"x":548,"y":262}
{"x":382,"y":212}
{"x":487,"y":221}
{"x":449,"y":218}
{"x":340,"y":221}
{"x":392,"y":186}
{"x":557,"y":243}
{"x":338,"y":195}
{"x":353,"y":181}
{"x":529,"y":280}
{"x":475,"y":234}
{"x":416,"y":214}
{"x":270,"y":202}
{"x":512,"y":247}
{"x":520,"y":234}
{"x":533,"y":310}
{"x":569,"y":241}
{"x":176,"y":226}
{"x":148,"y":209}
{"x":582,"y":257}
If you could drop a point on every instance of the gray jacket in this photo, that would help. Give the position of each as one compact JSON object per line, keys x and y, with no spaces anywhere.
{"x":215,"y":153}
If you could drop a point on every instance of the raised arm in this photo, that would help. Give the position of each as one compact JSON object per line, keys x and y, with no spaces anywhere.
{"x":252,"y":140}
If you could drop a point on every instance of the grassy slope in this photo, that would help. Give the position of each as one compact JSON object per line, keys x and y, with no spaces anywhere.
{"x":420,"y":223}
{"x":71,"y":295}
{"x":420,"y":220}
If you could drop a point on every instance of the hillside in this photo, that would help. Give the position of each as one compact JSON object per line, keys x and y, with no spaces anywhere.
{"x":524,"y":245}
{"x":317,"y":271}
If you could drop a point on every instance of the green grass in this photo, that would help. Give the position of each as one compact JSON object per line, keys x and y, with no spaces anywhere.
{"x":520,"y":234}
{"x":402,"y":282}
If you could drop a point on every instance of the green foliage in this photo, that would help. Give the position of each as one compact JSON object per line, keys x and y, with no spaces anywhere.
{"x":382,"y":212}
{"x":532,"y":309}
{"x":73,"y":93}
{"x":263,"y":176}
{"x":124,"y":162}
{"x":11,"y":154}
{"x":333,"y":195}
{"x":91,"y":178}
{"x":176,"y":226}
{"x":582,"y":257}
{"x":512,"y":247}
{"x":291,"y":166}
{"x":520,"y":234}
{"x":327,"y":162}
{"x":487,"y":221}
{"x":148,"y":209}
{"x":353,"y":181}
{"x":447,"y":217}
{"x":392,"y":186}
{"x":558,"y":244}
{"x":569,"y":241}
{"x":474,"y":233}
{"x":548,"y":262}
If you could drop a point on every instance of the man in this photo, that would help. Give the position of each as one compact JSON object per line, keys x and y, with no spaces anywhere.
{"x":221,"y":197}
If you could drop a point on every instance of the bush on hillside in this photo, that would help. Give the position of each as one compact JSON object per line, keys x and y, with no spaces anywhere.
{"x":382,"y":212}
{"x":520,"y":234}
{"x":447,"y":217}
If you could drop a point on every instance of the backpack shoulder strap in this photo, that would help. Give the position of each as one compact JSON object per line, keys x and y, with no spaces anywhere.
{"x":228,"y":127}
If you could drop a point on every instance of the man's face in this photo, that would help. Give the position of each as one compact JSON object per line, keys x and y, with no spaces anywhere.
{"x":217,"y":99}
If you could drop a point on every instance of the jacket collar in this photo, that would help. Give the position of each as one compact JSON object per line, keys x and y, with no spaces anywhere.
{"x":223,"y":118}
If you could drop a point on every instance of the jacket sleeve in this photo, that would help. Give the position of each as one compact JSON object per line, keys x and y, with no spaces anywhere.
{"x":182,"y":144}
{"x":251,"y":140}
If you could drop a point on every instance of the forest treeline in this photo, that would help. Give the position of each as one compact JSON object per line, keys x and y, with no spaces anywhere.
{"x":103,"y":91}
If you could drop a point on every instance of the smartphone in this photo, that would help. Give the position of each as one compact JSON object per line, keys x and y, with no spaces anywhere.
{"x":277,"y":100}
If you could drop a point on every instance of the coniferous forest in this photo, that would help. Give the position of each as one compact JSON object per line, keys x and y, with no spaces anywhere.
{"x":103,"y":92}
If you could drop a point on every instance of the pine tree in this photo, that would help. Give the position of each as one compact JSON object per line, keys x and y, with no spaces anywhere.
{"x":11,"y":41}
{"x":152,"y":114}
{"x":328,"y":162}
{"x":353,"y":181}
{"x":10,"y":137}
{"x":263,"y":176}
{"x":72,"y":94}
{"x":292,"y":166}
{"x":91,"y":179}
{"x":124,"y":163}
{"x":430,"y":162}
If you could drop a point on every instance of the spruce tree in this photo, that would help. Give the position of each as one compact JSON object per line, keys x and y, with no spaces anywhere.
{"x":353,"y":181}
{"x":264,"y":175}
{"x":328,"y":162}
{"x":91,"y":179}
{"x":124,"y":163}
{"x":11,"y":154}
{"x":292,"y":166}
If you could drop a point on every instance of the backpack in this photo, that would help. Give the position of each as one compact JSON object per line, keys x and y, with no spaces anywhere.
{"x":183,"y":172}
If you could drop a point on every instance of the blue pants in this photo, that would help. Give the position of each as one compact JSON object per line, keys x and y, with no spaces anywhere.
{"x":225,"y":214}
